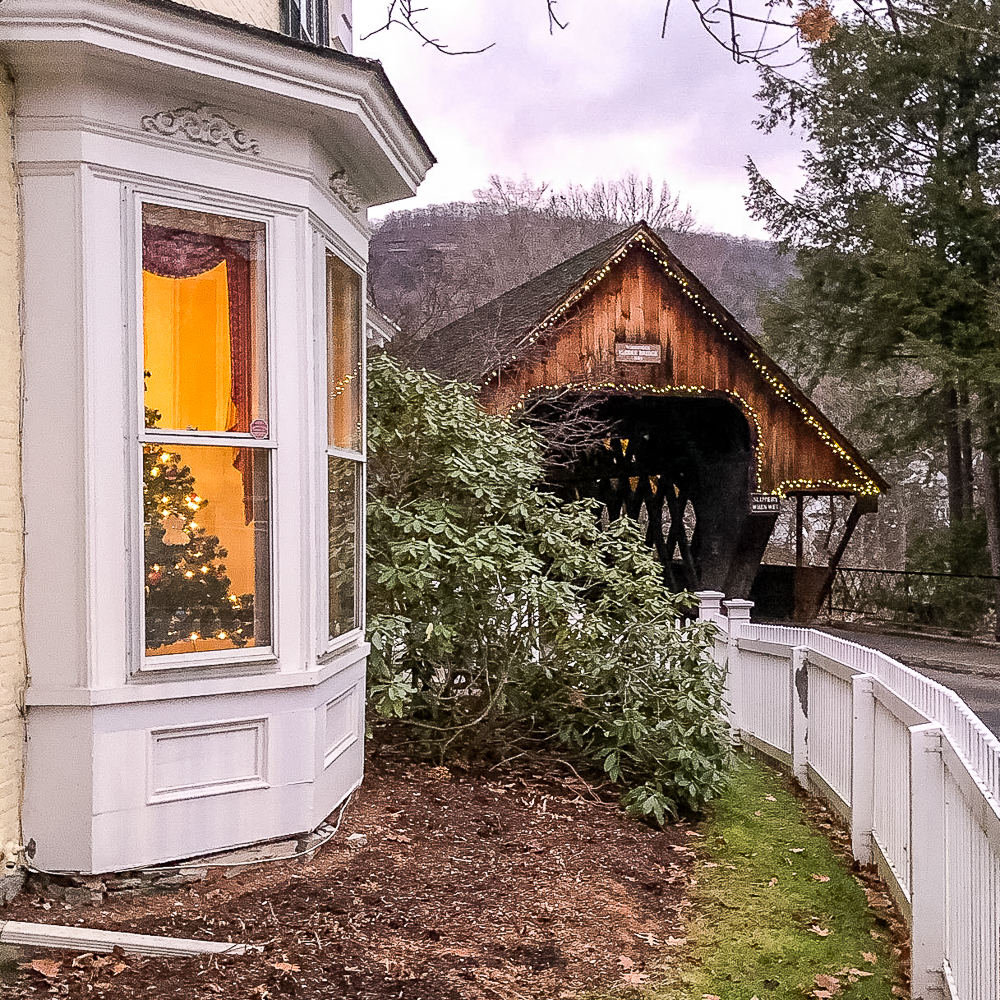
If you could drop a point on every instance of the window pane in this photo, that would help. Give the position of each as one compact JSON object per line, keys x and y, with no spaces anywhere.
{"x":203,"y":321}
{"x":207,"y":548}
{"x":343,"y":354}
{"x":344,"y":478}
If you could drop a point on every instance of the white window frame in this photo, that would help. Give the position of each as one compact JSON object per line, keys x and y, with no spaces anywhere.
{"x":256,"y":658}
{"x":329,"y":645}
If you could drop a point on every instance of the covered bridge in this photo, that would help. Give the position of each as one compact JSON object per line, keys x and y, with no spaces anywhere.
{"x":700,"y":434}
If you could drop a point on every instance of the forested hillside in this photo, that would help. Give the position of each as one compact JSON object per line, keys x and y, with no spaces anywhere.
{"x":429,"y":266}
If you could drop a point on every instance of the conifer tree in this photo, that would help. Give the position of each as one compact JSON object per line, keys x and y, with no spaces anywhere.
{"x":896,"y":226}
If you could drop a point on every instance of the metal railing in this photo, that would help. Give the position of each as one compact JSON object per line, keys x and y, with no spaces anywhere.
{"x":907,"y":765}
{"x":940,"y":601}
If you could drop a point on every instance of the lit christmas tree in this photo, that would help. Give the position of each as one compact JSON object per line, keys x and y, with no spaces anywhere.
{"x":187,"y":589}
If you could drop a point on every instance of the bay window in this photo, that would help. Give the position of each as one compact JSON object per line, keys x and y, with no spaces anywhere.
{"x":206,"y":437}
{"x":191,"y":443}
{"x":344,"y":444}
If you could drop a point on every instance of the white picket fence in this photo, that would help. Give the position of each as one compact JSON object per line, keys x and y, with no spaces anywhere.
{"x":905,"y":763}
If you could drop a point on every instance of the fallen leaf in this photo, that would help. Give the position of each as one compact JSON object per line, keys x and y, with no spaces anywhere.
{"x":870,"y":957}
{"x":875,"y":935}
{"x":286,"y":967}
{"x":635,"y":977}
{"x":118,"y":968}
{"x":821,"y":931}
{"x":773,"y":882}
{"x":796,"y":850}
{"x":821,"y":878}
{"x":48,"y":967}
{"x":676,"y":941}
{"x":825,"y":982}
{"x":770,"y":798}
{"x":757,"y":812}
{"x":625,"y":962}
{"x":709,"y":864}
{"x":400,"y":838}
{"x":821,"y":994}
{"x":709,"y":996}
{"x":860,"y":972}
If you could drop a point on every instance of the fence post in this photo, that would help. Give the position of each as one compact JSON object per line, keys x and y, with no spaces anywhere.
{"x":799,"y":681}
{"x":738,"y":614}
{"x":863,"y":768}
{"x":927,"y":866}
{"x":710,"y":606}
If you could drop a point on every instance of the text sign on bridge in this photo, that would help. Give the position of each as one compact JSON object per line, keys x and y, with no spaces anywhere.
{"x":642,"y":354}
{"x":764,"y":503}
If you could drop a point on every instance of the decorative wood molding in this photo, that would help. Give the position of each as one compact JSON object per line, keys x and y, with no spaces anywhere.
{"x":201,"y":125}
{"x":346,"y":191}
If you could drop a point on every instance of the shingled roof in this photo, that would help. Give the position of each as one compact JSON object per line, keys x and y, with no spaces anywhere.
{"x":468,"y":349}
{"x":496,"y":347}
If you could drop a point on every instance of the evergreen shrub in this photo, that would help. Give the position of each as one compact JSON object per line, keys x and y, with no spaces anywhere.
{"x":500,"y":615}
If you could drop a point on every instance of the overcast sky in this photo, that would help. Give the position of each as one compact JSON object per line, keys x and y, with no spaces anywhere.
{"x":604,"y":97}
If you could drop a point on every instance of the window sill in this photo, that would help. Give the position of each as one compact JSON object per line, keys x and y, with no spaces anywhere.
{"x":197,"y":664}
{"x":198,"y":684}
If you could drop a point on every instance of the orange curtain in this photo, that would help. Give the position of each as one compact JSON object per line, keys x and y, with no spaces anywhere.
{"x":178,"y":254}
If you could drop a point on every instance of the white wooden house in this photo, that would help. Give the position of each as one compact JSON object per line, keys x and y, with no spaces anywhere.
{"x":183,"y":197}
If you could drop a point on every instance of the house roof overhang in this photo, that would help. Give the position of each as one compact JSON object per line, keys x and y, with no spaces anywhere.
{"x":347,"y":102}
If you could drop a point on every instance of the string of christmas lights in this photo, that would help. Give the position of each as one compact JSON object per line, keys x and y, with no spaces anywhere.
{"x":773,"y":376}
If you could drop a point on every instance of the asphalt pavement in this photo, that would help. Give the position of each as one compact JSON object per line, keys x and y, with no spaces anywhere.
{"x":970,"y":669}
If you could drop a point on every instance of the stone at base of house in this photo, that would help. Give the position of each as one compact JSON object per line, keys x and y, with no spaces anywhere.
{"x":93,"y":889}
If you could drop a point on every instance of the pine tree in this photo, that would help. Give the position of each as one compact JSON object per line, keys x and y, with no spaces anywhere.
{"x":187,"y":590}
{"x":896,"y":227}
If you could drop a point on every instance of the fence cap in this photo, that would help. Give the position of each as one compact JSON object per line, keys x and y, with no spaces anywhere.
{"x":709,"y":601}
{"x":737,"y":608}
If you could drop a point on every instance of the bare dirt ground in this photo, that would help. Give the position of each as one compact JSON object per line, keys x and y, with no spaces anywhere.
{"x":513,"y":884}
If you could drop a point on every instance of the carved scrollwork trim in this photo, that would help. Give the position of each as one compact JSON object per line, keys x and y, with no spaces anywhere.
{"x":346,"y":191}
{"x":201,"y":125}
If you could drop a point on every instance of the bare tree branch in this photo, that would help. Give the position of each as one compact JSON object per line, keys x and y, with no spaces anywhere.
{"x":721,"y":19}
{"x":405,"y":14}
{"x":554,"y":21}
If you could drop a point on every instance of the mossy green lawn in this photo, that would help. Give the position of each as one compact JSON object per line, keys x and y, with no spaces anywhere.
{"x":774,"y":907}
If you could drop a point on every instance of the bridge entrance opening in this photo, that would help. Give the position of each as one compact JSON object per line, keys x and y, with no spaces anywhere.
{"x":680,"y":466}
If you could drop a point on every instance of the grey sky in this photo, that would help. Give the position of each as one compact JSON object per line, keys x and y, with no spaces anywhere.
{"x":604,"y":97}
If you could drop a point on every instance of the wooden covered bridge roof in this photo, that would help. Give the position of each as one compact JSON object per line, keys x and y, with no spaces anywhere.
{"x":566,"y":329}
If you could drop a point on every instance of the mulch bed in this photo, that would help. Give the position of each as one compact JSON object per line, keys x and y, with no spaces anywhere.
{"x":509,"y":883}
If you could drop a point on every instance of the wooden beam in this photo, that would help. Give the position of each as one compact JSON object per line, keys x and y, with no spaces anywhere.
{"x":862,"y":505}
{"x":799,"y":531}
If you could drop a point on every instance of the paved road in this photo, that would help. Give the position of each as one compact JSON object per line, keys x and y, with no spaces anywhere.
{"x":971,"y":670}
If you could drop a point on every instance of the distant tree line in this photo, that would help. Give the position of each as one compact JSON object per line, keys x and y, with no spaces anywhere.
{"x":430,"y":266}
